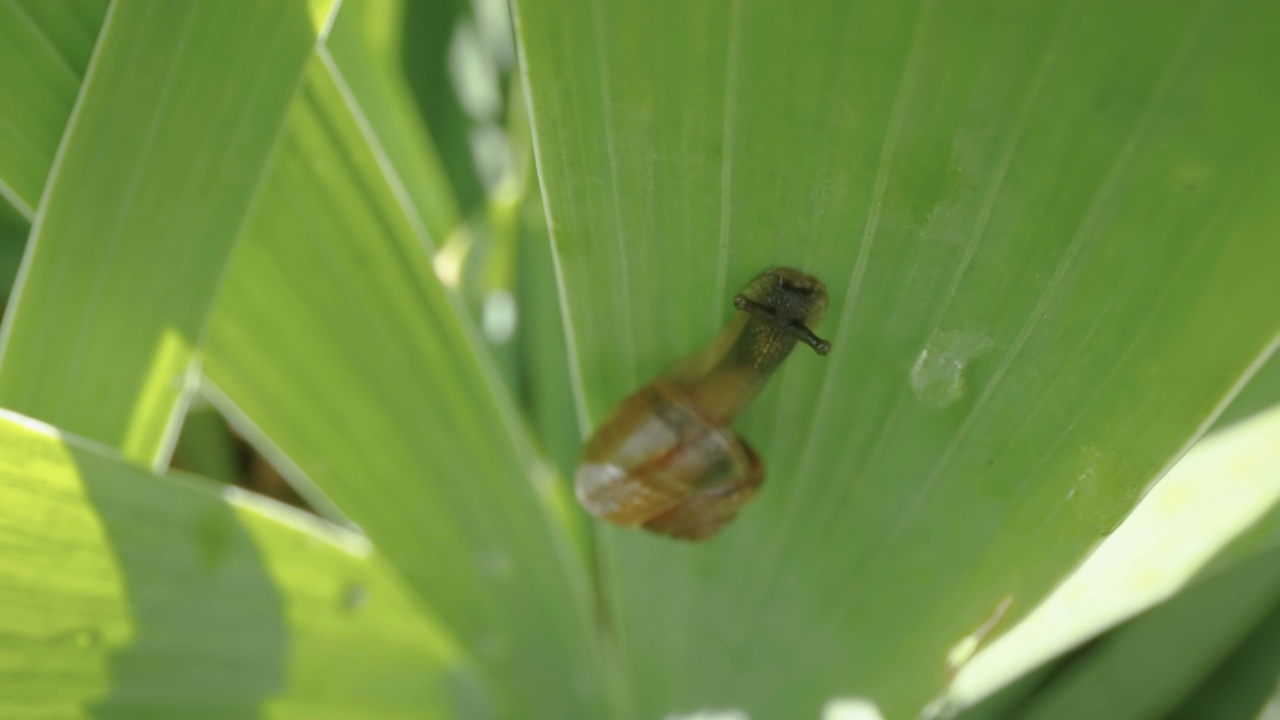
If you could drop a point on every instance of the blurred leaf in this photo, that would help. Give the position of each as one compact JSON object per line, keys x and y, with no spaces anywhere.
{"x":205,"y":446}
{"x":546,"y":391}
{"x":44,"y":49}
{"x":1084,"y":189}
{"x":134,"y":232}
{"x":13,"y":238}
{"x":430,"y":30}
{"x":1247,"y":681}
{"x":366,"y":43}
{"x":124,"y":595}
{"x":1005,"y":701}
{"x":1150,"y":666}
{"x":1189,"y":523}
{"x":334,"y":343}
{"x":544,"y":386}
{"x":1262,"y":392}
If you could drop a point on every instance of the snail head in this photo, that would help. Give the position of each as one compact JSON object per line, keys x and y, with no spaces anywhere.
{"x":788,"y":300}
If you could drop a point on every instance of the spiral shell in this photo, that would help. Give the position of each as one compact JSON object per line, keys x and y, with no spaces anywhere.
{"x":657,"y":462}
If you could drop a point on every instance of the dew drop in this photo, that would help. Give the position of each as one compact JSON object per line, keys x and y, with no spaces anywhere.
{"x":937,"y":378}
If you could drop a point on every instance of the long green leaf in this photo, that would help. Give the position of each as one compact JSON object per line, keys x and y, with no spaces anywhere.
{"x":125,"y":595}
{"x":334,"y":344}
{"x":366,"y":43}
{"x":1190,"y":522}
{"x":1047,"y":234}
{"x":44,"y":50}
{"x":429,"y":33}
{"x":151,"y":184}
{"x":1245,"y":686}
{"x":1262,"y":392}
{"x":13,"y":238}
{"x":1146,"y":669}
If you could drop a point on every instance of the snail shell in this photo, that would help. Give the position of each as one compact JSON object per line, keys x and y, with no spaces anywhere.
{"x":666,"y":460}
{"x":660,"y":463}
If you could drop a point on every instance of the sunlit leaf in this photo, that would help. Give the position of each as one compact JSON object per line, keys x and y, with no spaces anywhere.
{"x":136,"y":225}
{"x":126,"y":595}
{"x":1187,"y":525}
{"x":1210,"y":652}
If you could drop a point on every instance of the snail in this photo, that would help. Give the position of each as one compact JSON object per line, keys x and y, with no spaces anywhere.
{"x":666,"y":460}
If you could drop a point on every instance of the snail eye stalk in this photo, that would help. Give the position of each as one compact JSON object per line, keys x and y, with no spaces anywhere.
{"x":795,"y":329}
{"x":806,"y":336}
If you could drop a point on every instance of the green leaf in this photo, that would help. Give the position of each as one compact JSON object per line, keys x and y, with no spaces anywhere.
{"x":123,"y":595}
{"x":545,"y":388}
{"x":429,"y":34}
{"x":1188,"y":525}
{"x":13,"y":238}
{"x":206,"y":446}
{"x":138,"y":220}
{"x":365,"y":42}
{"x":44,"y":49}
{"x":1047,"y":235}
{"x":1247,"y":684}
{"x":1262,"y":392}
{"x":1204,"y":654}
{"x":334,"y":345}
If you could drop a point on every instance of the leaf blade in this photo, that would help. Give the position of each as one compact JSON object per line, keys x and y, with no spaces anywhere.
{"x":90,"y":344}
{"x":334,"y":337}
{"x":149,"y":595}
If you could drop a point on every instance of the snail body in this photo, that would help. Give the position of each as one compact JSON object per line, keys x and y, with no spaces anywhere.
{"x":666,"y":460}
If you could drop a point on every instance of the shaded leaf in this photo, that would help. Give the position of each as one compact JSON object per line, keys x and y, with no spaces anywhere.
{"x":366,"y":42}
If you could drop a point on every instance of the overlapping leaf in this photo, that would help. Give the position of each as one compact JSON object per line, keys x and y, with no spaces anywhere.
{"x":43,"y":56}
{"x":1187,"y":527}
{"x":146,"y":198}
{"x":130,"y":595}
{"x":334,"y":343}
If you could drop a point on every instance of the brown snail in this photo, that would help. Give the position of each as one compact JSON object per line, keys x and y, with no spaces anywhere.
{"x":666,"y":459}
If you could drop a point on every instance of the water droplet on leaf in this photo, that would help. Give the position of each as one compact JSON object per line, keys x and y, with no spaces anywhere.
{"x":937,"y":378}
